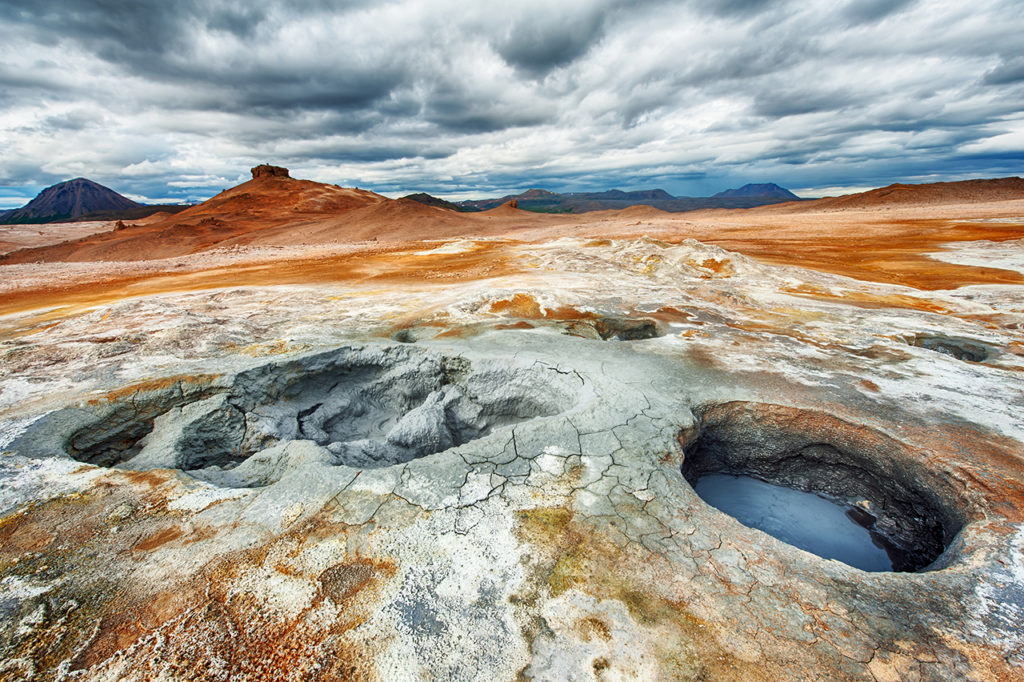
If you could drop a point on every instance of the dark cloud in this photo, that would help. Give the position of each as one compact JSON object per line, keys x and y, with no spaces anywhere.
{"x":155,"y":39}
{"x":778,"y":104}
{"x":741,"y":8}
{"x":1009,"y":71}
{"x":239,"y":20}
{"x":869,"y":11}
{"x":538,"y":46}
{"x":137,"y":26}
{"x":451,"y":107}
{"x":73,"y":120}
{"x":572,"y":95}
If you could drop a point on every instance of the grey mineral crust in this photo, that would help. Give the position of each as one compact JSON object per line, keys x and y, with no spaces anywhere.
{"x":437,"y":449}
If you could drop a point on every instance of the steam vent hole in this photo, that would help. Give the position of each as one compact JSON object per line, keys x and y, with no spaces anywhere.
{"x":832,"y":488}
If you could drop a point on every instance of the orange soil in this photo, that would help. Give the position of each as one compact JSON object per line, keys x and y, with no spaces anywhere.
{"x":869,"y":247}
{"x":966,"y":191}
{"x":398,"y":264}
{"x":886,"y":242}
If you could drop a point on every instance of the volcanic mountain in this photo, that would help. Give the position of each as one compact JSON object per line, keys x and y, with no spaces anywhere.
{"x":67,"y":201}
{"x":766,"y":191}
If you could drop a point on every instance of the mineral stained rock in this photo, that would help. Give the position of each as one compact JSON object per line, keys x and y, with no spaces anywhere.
{"x":472,"y":459}
{"x":265,"y":170}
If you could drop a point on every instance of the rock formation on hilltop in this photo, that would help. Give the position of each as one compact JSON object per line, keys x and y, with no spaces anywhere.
{"x":265,"y":170}
{"x":68,"y":201}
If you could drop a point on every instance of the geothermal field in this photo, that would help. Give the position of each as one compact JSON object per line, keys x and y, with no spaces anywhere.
{"x":300,"y":431}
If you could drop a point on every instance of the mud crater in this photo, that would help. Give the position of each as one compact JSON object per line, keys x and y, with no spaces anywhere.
{"x":616,"y":328}
{"x":360,"y":407}
{"x":887,"y":487}
{"x":961,"y":349}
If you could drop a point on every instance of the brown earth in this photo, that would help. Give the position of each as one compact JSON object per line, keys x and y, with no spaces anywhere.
{"x":327,"y":234}
{"x":963,"y":192}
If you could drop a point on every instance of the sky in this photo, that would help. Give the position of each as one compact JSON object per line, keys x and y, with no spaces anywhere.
{"x":173,"y":101}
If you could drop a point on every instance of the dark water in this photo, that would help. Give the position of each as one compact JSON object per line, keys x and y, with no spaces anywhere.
{"x":802,"y":519}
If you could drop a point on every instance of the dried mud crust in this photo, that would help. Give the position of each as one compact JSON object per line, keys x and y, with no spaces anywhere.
{"x":912,"y":510}
{"x":363,"y":407}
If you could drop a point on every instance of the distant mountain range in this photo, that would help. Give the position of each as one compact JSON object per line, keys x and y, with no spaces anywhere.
{"x":80,"y":199}
{"x":277,"y":210}
{"x":543,"y":201}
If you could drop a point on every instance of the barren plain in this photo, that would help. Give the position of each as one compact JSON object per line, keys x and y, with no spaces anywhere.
{"x":307,"y":432}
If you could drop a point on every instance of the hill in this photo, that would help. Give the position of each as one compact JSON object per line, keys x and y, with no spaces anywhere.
{"x":767,"y":190}
{"x":929,"y":194}
{"x":137,"y":213}
{"x":68,"y":201}
{"x":271,"y":199}
{"x":273,"y":209}
{"x":429,"y":200}
{"x":543,"y":201}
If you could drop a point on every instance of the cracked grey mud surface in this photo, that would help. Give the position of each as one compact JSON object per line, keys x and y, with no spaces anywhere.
{"x":242,"y":491}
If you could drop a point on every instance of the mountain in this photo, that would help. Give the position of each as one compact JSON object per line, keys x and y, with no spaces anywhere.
{"x":429,"y":200}
{"x":766,"y":190}
{"x":137,"y":213}
{"x":619,"y":195}
{"x":537,"y":200}
{"x":68,"y":201}
{"x":271,"y":208}
{"x":543,"y":201}
{"x":274,"y":209}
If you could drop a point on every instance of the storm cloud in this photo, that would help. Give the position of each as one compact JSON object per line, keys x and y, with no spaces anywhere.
{"x":169,"y":101}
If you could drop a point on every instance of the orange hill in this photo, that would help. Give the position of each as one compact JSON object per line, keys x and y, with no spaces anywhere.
{"x":264,"y":202}
{"x":964,"y":192}
{"x":274,"y":209}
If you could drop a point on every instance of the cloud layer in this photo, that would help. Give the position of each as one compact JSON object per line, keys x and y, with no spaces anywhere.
{"x":175,"y":100}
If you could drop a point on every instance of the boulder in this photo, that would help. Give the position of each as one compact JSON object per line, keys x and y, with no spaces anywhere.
{"x":265,"y":170}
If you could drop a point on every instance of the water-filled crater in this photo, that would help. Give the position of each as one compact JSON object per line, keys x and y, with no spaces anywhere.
{"x":830,"y":487}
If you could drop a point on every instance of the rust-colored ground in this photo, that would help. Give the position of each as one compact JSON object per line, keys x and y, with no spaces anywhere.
{"x":890,"y":248}
{"x":330,"y":234}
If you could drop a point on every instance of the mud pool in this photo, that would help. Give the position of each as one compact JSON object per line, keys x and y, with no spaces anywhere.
{"x":802,"y":519}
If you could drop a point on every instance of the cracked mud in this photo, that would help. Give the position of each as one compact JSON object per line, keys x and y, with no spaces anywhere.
{"x":231,"y":484}
{"x":356,"y":407}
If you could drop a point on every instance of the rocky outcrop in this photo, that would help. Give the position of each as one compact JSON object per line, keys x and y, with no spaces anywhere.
{"x":265,"y":170}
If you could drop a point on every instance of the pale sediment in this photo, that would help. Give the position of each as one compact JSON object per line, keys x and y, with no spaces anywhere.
{"x":260,"y":484}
